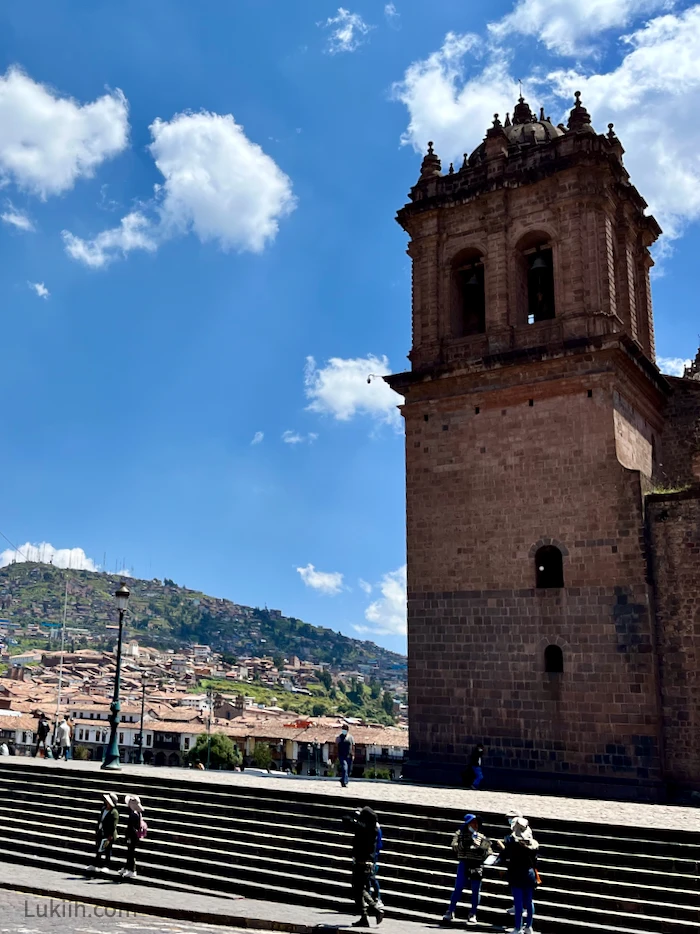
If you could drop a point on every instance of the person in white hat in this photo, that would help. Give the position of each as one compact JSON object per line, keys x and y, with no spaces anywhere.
{"x":136,"y":829}
{"x":106,"y":833}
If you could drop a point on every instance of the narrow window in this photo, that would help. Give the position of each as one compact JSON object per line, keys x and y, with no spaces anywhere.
{"x":468,"y":315}
{"x":540,"y":285}
{"x":148,"y":739}
{"x":553,"y":659}
{"x":121,"y":739}
{"x":549,"y":567}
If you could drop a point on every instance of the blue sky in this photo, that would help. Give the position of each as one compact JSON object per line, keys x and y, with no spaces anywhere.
{"x":198,"y":198}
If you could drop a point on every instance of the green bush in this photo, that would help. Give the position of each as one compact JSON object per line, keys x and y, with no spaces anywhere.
{"x":262,"y":757}
{"x":80,"y":752}
{"x":224,"y":754}
{"x":377,"y":773}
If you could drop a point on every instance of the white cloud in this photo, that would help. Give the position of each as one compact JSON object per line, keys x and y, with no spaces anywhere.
{"x":567,"y":26}
{"x":388,"y":614}
{"x":16,"y":218}
{"x":135,"y":232}
{"x":340,"y":389}
{"x":293,"y":437}
{"x":452,"y":94}
{"x":447,"y":107}
{"x":326,"y":582}
{"x":48,"y":141}
{"x":347,"y":31}
{"x":649,"y":97}
{"x":257,"y":437}
{"x":217,"y":184}
{"x":392,"y":15}
{"x":364,"y":585}
{"x":39,"y":288}
{"x":46,"y":553}
{"x":673,"y":366}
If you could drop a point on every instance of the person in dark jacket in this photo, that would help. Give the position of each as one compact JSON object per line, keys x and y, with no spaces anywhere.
{"x":43,"y":728}
{"x":471,"y":849}
{"x":105,"y":834}
{"x":345,"y":742}
{"x":133,"y":833}
{"x":366,"y":843}
{"x":520,"y":851}
{"x":475,"y":761}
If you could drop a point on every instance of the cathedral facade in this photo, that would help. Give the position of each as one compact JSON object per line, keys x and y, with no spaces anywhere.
{"x":552,"y":475}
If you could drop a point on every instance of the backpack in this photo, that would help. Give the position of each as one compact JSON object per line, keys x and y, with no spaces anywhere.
{"x":143,"y":829}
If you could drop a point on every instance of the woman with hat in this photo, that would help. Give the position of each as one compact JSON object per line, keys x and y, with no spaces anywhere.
{"x":135,"y":830}
{"x":520,"y":851}
{"x":106,"y":833}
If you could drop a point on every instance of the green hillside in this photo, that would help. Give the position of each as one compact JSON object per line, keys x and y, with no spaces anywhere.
{"x":166,"y":616}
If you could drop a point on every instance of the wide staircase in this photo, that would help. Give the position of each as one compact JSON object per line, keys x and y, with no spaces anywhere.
{"x":284,"y":845}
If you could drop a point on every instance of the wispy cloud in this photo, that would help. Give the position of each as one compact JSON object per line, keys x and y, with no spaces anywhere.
{"x":293,"y":437}
{"x":39,"y":288}
{"x":344,"y":388}
{"x":326,"y":582}
{"x":347,"y":31}
{"x":16,"y":218}
{"x":257,"y":437}
{"x":392,"y":16}
{"x":673,"y":366}
{"x":387,"y":615}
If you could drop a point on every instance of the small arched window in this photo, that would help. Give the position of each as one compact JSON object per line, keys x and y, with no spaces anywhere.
{"x":553,"y":659}
{"x":469,"y":297}
{"x":549,"y":567}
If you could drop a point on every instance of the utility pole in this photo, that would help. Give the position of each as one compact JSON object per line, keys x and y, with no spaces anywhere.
{"x":210,"y":698}
{"x":60,"y":665}
{"x":143,"y":707}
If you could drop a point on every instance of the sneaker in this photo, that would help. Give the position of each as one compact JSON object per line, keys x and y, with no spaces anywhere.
{"x":91,"y":869}
{"x":511,"y":911}
{"x":362,"y":922}
{"x":528,"y":929}
{"x":447,"y":917}
{"x":379,"y":913}
{"x":471,"y":919}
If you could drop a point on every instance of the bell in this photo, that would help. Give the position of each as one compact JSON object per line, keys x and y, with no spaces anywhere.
{"x":473,"y":280}
{"x":539,"y":263}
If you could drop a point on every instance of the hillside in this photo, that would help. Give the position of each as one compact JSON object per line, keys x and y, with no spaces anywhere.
{"x":167,"y":616}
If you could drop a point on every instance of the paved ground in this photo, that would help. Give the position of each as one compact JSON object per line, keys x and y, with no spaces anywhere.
{"x":580,"y":809}
{"x":36,"y":914}
{"x":25,"y":885}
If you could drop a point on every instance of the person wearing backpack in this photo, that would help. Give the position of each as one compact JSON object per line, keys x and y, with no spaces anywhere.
{"x":136,"y":829}
{"x":519,"y":853}
{"x":365,"y":853}
{"x":105,"y":834}
{"x":471,"y":849}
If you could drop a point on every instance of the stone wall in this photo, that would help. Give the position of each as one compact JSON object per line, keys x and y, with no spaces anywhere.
{"x":529,"y":457}
{"x":679,"y":453}
{"x":673,"y":522}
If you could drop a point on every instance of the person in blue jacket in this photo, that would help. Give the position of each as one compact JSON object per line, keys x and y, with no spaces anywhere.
{"x":471,"y":849}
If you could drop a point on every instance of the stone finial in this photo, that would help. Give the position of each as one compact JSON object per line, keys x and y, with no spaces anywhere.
{"x":542,"y":116}
{"x":496,"y":121}
{"x":451,"y":170}
{"x":522,"y":113}
{"x":611,"y":132}
{"x":579,"y":116}
{"x":507,"y":123}
{"x":431,"y":164}
{"x":465,"y":164}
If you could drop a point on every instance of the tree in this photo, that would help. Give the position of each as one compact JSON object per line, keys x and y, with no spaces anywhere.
{"x":375,"y":688}
{"x":224,"y":754}
{"x":318,"y":710}
{"x":278,"y":661}
{"x":326,"y":679}
{"x":341,"y":687}
{"x":388,"y":702}
{"x":262,"y":757}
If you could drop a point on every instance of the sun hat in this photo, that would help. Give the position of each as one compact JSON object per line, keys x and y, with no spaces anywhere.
{"x":133,"y":802}
{"x":513,"y":813}
{"x":521,"y":829}
{"x":109,"y":800}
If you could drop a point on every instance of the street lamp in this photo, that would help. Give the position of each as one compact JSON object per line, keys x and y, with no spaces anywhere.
{"x":141,"y":760}
{"x":111,"y":760}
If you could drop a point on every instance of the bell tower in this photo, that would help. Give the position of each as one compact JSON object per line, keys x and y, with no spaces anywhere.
{"x":532,"y":411}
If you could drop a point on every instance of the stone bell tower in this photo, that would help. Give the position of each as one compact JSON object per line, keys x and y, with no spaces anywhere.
{"x":533,"y":410}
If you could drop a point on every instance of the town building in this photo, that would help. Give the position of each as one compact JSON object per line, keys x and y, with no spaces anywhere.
{"x":552,"y":475}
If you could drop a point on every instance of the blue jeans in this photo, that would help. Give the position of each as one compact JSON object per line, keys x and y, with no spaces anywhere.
{"x":478,"y":776}
{"x":522,"y":899}
{"x":345,"y":768}
{"x":460,"y":885}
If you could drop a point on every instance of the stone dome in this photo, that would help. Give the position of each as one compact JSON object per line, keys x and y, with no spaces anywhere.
{"x":524,"y":130}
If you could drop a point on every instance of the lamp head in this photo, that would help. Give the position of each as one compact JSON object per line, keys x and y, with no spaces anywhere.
{"x":122,"y":597}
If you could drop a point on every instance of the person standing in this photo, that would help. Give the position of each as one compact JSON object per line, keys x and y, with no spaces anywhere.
{"x":106,"y":834}
{"x":345,"y":742}
{"x":475,"y":763}
{"x":135,"y":830}
{"x":520,"y":852}
{"x":4,"y":749}
{"x":42,"y":731}
{"x":471,"y":849}
{"x":366,"y":843}
{"x":64,"y":740}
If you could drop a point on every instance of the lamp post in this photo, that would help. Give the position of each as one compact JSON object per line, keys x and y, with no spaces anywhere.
{"x":111,"y":760}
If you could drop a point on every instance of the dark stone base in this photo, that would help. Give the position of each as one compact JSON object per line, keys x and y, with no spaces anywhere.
{"x":430,"y":772}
